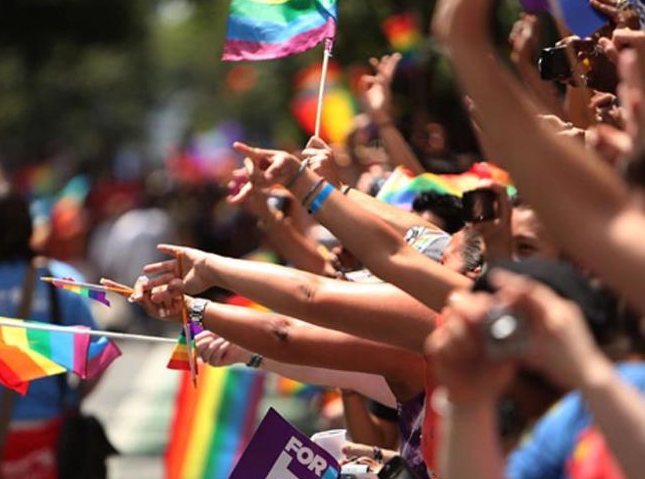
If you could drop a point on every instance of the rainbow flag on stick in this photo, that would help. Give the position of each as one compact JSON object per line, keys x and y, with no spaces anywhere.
{"x":402,"y":186}
{"x":403,"y":31}
{"x":180,"y":355}
{"x":28,"y":354}
{"x":96,"y":292}
{"x":213,"y":423}
{"x":268,"y":29}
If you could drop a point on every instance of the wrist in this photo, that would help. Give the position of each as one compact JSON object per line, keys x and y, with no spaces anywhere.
{"x":596,"y":373}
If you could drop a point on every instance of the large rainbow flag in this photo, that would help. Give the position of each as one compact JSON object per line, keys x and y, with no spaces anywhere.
{"x":213,"y":423}
{"x":402,"y":186}
{"x":268,"y":29}
{"x":28,"y":354}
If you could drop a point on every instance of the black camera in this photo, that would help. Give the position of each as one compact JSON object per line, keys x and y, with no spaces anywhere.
{"x":554,"y":64}
{"x":506,"y":334}
{"x":480,"y":205}
{"x":397,"y":468}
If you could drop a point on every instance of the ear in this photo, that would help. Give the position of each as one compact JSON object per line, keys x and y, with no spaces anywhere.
{"x":475,"y":273}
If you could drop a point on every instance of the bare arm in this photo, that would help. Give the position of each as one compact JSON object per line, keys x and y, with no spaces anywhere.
{"x":366,"y":428}
{"x":539,"y":158}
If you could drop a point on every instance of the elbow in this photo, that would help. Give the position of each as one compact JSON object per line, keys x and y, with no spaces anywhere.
{"x":307,"y":295}
{"x":281,"y":330}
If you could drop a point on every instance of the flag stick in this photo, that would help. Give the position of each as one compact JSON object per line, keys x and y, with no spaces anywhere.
{"x":329,"y":44}
{"x":187,"y":331}
{"x":95,"y":287}
{"x":90,"y":332}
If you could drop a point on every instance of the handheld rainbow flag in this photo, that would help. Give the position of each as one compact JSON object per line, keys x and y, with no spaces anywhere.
{"x":96,"y":292}
{"x":269,"y":29}
{"x":403,"y":31}
{"x":213,"y":423}
{"x":402,"y":186}
{"x":180,"y":355}
{"x":28,"y":354}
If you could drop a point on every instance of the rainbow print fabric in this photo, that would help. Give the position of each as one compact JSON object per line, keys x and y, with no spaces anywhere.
{"x":179,"y":359}
{"x":28,"y":354}
{"x":402,"y":186}
{"x":268,"y":29}
{"x":82,"y":290}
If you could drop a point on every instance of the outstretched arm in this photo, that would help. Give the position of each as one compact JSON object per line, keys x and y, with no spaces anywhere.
{"x":536,"y":157}
{"x":379,"y":312}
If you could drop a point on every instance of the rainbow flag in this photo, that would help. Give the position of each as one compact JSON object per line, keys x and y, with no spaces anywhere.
{"x":28,"y":354}
{"x":339,"y":106}
{"x":95,"y":293}
{"x":213,"y":423}
{"x":179,"y":359}
{"x":268,"y":29}
{"x":402,"y":186}
{"x":403,"y":31}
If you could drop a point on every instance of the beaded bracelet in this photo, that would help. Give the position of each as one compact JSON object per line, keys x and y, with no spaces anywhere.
{"x":255,"y":361}
{"x":320,"y":199}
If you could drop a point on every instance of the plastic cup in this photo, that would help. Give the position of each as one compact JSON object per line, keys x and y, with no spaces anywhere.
{"x":332,"y":441}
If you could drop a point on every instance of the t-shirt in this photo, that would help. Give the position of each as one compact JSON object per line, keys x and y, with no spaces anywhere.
{"x":43,"y":400}
{"x":547,"y":452}
{"x":411,"y":415}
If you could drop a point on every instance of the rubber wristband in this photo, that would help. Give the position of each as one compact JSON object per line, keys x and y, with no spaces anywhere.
{"x":318,"y":201}
{"x":312,"y":191}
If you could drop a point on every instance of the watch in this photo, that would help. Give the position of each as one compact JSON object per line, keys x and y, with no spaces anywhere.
{"x":197,"y":308}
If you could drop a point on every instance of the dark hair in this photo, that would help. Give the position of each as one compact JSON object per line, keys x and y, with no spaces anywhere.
{"x":446,"y":207}
{"x":472,"y":251}
{"x":16,"y":229}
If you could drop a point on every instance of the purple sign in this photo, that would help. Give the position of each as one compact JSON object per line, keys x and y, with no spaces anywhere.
{"x":579,"y":16}
{"x":279,"y":451}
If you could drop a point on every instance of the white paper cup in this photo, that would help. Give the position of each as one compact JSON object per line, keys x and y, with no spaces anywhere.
{"x":332,"y":441}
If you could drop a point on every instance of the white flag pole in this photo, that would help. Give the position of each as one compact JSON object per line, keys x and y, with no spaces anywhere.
{"x":329,"y":45}
{"x":78,"y":330}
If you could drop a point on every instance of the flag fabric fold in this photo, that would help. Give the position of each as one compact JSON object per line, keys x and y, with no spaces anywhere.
{"x":28,"y":354}
{"x":268,"y":29}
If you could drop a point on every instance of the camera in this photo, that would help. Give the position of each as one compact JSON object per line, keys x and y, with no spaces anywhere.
{"x":554,"y":64}
{"x":506,"y":334}
{"x":397,"y":468}
{"x":480,"y":205}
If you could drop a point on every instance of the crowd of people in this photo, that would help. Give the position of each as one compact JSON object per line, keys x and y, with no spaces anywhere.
{"x":496,"y":338}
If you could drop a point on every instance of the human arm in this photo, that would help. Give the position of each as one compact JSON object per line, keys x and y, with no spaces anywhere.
{"x":218,"y":352}
{"x":388,"y":255}
{"x":541,"y":158}
{"x":380,"y":311}
{"x":377,"y":97}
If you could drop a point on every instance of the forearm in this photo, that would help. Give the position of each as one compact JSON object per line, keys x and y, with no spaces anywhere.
{"x":382,"y":249}
{"x":380,"y":312}
{"x":619,"y":411}
{"x":398,"y":149}
{"x":288,"y":340}
{"x":469,"y":443}
{"x":398,"y":219}
{"x":369,"y":385}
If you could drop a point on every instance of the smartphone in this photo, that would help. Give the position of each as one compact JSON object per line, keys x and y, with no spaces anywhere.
{"x":480,"y":205}
{"x":397,"y":468}
{"x":554,"y":64}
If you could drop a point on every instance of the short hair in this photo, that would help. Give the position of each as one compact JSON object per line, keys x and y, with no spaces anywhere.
{"x":446,"y":207}
{"x":472,"y":251}
{"x":15,"y":233}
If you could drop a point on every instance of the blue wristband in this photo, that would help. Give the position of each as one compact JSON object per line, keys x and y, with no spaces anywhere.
{"x":318,"y":201}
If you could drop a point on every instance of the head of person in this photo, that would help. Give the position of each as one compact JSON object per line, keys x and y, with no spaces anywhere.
{"x":445,"y":211}
{"x":15,"y":236}
{"x":530,"y":237}
{"x":464,"y":253}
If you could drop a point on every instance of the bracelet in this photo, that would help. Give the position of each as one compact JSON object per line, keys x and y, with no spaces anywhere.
{"x":345,"y":189}
{"x":377,"y":454}
{"x":311,"y":192}
{"x":294,"y":178}
{"x":318,"y":201}
{"x":255,"y":361}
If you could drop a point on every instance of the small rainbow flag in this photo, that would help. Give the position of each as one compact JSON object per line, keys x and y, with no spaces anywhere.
{"x":268,"y":29}
{"x":213,"y":423}
{"x":403,"y":31}
{"x":97,"y":293}
{"x":28,"y":354}
{"x":402,"y":186}
{"x":179,"y":359}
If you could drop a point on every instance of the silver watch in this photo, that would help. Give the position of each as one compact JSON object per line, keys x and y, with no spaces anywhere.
{"x":197,"y":308}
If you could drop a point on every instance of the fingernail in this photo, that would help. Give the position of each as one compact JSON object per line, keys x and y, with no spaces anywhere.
{"x":130,"y":299}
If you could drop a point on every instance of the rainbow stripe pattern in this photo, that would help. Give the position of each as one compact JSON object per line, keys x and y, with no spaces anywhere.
{"x":403,"y":31}
{"x":402,"y":186}
{"x":179,"y":359}
{"x":268,"y":29}
{"x":93,"y":293}
{"x":213,"y":423}
{"x":28,"y":354}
